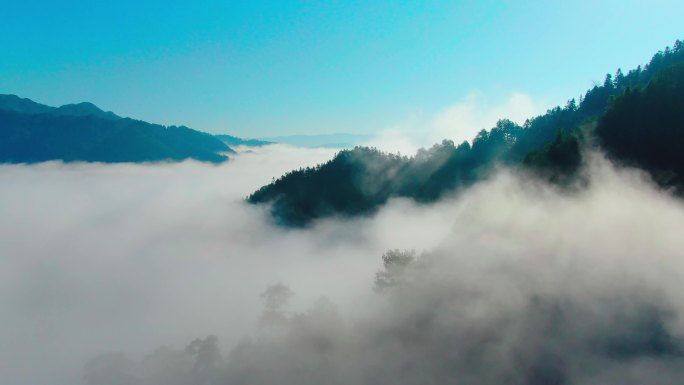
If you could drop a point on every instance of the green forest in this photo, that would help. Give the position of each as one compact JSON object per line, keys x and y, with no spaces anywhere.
{"x":636,"y":118}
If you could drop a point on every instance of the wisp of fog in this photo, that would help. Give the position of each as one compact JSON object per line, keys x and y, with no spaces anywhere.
{"x":162,"y":274}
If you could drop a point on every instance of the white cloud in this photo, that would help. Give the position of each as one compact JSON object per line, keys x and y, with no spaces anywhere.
{"x":458,"y":122}
{"x":97,"y":258}
{"x":129,"y":257}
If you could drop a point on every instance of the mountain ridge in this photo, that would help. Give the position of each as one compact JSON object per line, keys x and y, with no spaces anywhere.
{"x":358,"y":181}
{"x":31,"y":132}
{"x":15,"y":103}
{"x":335,"y":140}
{"x":231,"y":140}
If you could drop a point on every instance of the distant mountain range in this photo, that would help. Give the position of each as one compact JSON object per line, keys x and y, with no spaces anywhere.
{"x":32,"y":132}
{"x":324,"y":140}
{"x":234,"y":141}
{"x":27,"y":106}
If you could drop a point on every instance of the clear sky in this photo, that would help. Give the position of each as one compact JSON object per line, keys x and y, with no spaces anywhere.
{"x":256,"y":68}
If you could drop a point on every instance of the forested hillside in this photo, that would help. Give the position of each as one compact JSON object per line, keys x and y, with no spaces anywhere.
{"x":638,"y":118}
{"x":644,"y":127}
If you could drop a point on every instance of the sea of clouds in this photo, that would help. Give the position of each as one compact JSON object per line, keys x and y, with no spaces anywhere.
{"x":108,"y":273}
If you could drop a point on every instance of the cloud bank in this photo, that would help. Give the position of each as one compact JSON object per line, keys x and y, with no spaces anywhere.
{"x":160,"y":274}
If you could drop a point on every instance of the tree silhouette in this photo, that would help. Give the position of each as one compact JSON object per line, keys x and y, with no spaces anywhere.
{"x":395,"y":264}
{"x":275,"y":297}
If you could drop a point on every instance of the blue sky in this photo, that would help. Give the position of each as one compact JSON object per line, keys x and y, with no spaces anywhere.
{"x":257,"y":69}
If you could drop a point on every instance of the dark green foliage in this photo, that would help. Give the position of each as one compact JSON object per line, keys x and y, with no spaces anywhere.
{"x":358,"y":181}
{"x":343,"y":185}
{"x":645,"y":127}
{"x":31,"y":132}
{"x":560,"y":160}
{"x":538,"y":132}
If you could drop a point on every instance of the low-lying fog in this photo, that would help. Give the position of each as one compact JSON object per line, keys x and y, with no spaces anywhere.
{"x":519,"y":283}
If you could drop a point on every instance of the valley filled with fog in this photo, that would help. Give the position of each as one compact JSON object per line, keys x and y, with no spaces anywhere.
{"x":341,"y":193}
{"x":110,"y":272}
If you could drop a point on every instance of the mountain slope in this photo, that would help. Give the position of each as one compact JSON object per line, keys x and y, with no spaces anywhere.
{"x":31,"y":132}
{"x":83,"y":109}
{"x":645,"y":127}
{"x":22,"y":105}
{"x":358,"y":181}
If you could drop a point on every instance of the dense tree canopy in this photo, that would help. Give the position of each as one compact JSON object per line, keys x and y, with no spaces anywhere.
{"x":645,"y":127}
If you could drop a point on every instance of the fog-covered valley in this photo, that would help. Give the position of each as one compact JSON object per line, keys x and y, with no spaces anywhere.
{"x":512,"y":280}
{"x":341,"y":193}
{"x":128,"y":257}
